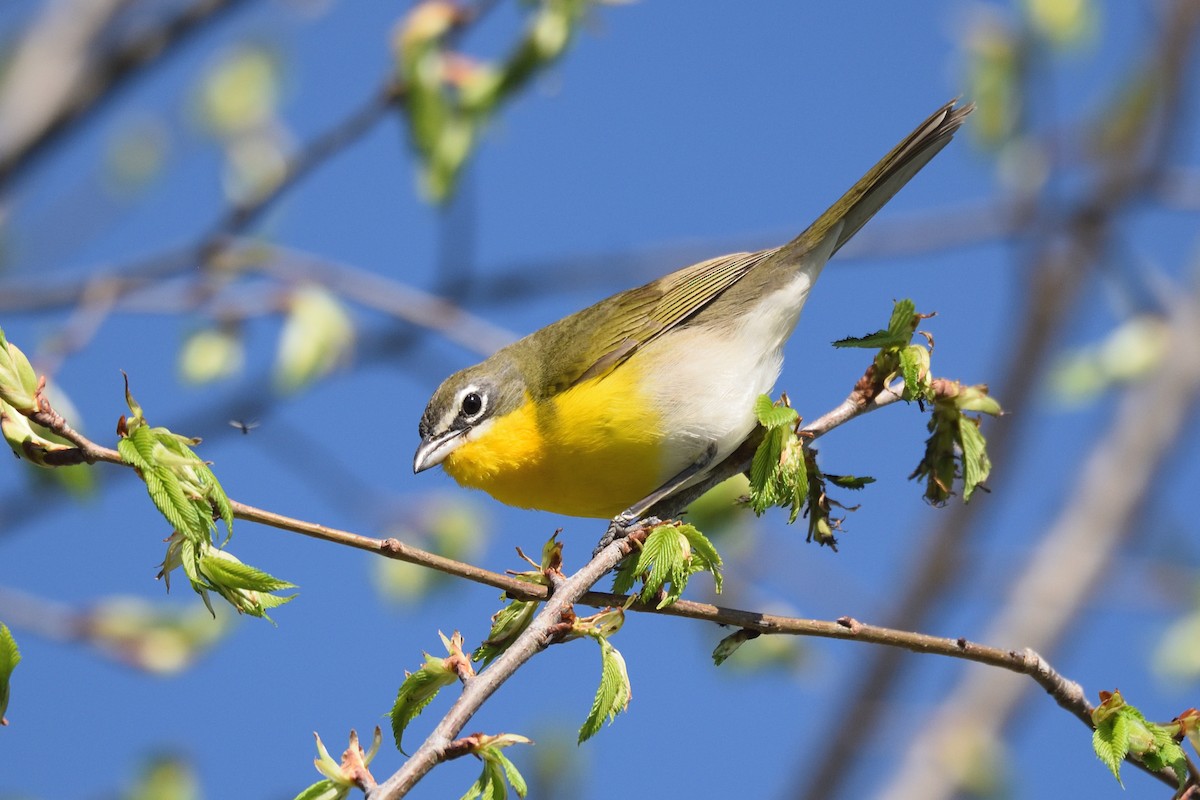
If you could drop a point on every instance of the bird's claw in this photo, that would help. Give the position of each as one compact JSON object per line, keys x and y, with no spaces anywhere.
{"x":621,"y":526}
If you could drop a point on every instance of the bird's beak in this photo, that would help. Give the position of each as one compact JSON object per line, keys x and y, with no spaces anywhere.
{"x":433,"y":450}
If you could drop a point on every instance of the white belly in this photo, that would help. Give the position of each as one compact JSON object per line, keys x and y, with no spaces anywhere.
{"x":711,"y":378}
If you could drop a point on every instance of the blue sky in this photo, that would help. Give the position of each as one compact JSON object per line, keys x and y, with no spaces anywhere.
{"x":669,"y":133}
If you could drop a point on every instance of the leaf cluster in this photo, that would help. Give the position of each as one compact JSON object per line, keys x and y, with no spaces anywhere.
{"x":187,"y":493}
{"x":784,"y":473}
{"x":451,"y":97}
{"x":665,"y":561}
{"x":1121,"y":730}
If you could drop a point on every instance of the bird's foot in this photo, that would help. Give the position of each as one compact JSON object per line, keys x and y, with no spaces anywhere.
{"x":621,"y":526}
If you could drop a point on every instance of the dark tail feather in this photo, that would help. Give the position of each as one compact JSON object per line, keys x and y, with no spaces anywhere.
{"x":882,"y":182}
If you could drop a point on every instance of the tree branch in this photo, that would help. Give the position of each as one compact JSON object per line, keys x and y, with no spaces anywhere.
{"x":50,"y":114}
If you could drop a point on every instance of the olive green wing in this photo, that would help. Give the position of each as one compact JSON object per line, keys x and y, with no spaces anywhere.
{"x":595,"y":341}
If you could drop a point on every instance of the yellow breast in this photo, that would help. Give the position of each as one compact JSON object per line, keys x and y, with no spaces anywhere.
{"x":591,"y":451}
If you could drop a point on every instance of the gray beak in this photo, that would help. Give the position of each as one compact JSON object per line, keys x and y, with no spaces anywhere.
{"x":433,"y":451}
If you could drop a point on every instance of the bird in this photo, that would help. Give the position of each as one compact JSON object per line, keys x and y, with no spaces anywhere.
{"x":614,"y":408}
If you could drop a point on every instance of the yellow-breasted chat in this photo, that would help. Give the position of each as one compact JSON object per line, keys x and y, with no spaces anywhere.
{"x":613,"y":408}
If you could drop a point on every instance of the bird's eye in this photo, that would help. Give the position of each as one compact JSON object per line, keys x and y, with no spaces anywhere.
{"x":472,"y":404}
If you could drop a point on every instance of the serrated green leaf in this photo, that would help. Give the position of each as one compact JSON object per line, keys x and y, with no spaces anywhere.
{"x":613,"y":694}
{"x":626,"y":575}
{"x":662,"y":562}
{"x":512,"y":774}
{"x":10,"y":656}
{"x":903,"y":320}
{"x":167,"y":494}
{"x":765,"y":490}
{"x":704,"y":554}
{"x":772,"y":416}
{"x":872,"y":341}
{"x":914,"y":368}
{"x":793,"y":478}
{"x":418,"y":691}
{"x":1110,"y":741}
{"x":130,"y":454}
{"x":899,"y":331}
{"x":975,"y":461}
{"x":230,"y":572}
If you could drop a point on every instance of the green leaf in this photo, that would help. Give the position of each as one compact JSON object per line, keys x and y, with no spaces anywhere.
{"x":18,"y":381}
{"x":137,"y":449}
{"x":729,"y":645}
{"x":897,"y":334}
{"x":872,"y":341}
{"x":854,"y":482}
{"x":764,"y":490}
{"x":704,"y":555}
{"x":324,"y":790}
{"x":975,"y":462}
{"x":317,"y":336}
{"x":772,"y":416}
{"x":507,"y":624}
{"x":612,"y":696}
{"x":223,"y":569}
{"x":512,"y":774}
{"x":417,"y":691}
{"x":903,"y":321}
{"x":663,"y":562}
{"x":420,"y":687}
{"x":10,"y":656}
{"x":914,"y":368}
{"x":1111,"y":743}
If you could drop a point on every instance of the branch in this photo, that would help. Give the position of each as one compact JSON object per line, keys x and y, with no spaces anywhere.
{"x":48,"y":115}
{"x":1115,"y":483}
{"x":1055,"y":267}
{"x":559,"y":600}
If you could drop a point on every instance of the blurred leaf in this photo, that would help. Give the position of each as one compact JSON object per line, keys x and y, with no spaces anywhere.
{"x":136,"y":154}
{"x":317,"y":336}
{"x":994,"y":60}
{"x":718,"y":509}
{"x":10,"y":656}
{"x":1063,"y":23}
{"x":255,"y":164}
{"x":166,"y":777}
{"x":449,"y":526}
{"x":211,"y":354}
{"x":159,"y":639}
{"x":1129,"y":353}
{"x":451,"y":97}
{"x":1178,"y":652}
{"x":240,"y":91}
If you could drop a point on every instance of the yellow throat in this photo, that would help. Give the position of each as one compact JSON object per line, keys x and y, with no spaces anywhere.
{"x":583,"y":453}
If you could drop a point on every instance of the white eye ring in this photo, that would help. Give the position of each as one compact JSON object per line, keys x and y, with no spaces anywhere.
{"x":472,"y":403}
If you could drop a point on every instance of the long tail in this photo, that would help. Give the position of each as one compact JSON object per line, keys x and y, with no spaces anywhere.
{"x":884,"y":179}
